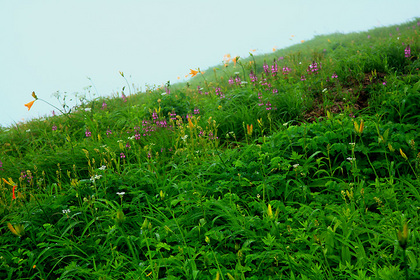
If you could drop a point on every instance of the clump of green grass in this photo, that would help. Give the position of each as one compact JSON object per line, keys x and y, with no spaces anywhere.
{"x":299,"y":164}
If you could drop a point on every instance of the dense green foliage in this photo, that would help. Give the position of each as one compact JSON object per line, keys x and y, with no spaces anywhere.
{"x":300,"y":164}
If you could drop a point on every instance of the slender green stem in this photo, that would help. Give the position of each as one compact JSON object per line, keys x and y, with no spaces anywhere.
{"x":405,"y":264}
{"x":61,"y":111}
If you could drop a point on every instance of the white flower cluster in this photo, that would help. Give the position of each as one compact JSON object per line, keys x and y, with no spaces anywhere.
{"x":94,"y":178}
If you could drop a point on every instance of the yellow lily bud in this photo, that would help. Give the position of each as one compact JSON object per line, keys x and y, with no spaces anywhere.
{"x":403,"y":155}
{"x":18,"y":230}
{"x":403,"y":236}
{"x":362,"y":125}
{"x":269,"y":211}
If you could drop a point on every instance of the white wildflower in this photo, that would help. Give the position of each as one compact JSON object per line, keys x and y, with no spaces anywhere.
{"x":96,"y":177}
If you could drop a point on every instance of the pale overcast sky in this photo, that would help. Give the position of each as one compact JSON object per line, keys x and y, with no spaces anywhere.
{"x":49,"y":46}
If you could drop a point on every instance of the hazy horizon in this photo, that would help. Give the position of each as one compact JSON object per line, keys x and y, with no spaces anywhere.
{"x":52,"y":46}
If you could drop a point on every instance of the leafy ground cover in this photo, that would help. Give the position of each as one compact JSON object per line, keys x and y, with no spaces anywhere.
{"x":299,"y":164}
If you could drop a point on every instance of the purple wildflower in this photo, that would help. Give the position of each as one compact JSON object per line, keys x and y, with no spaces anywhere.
{"x":54,"y":127}
{"x":211,"y":136}
{"x":122,"y":155}
{"x":219,"y":92}
{"x":88,"y":133}
{"x":274,"y":69}
{"x":253,"y":77}
{"x":313,"y":68}
{"x":238,"y":80}
{"x":265,"y":67}
{"x":286,"y":70}
{"x":260,"y":99}
{"x":104,"y":105}
{"x":407,"y":51}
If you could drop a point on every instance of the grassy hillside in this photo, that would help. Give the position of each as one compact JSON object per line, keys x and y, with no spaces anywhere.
{"x":298,"y":164}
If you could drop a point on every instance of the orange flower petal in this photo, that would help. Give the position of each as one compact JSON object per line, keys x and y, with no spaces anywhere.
{"x":193,"y":72}
{"x":29,"y":105}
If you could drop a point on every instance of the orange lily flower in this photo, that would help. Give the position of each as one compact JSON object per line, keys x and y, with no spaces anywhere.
{"x":11,"y":183}
{"x":193,"y":72}
{"x":235,"y":59}
{"x":190,"y":124}
{"x":29,"y":105}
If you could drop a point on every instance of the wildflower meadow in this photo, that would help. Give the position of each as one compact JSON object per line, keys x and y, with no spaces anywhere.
{"x":302,"y":163}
